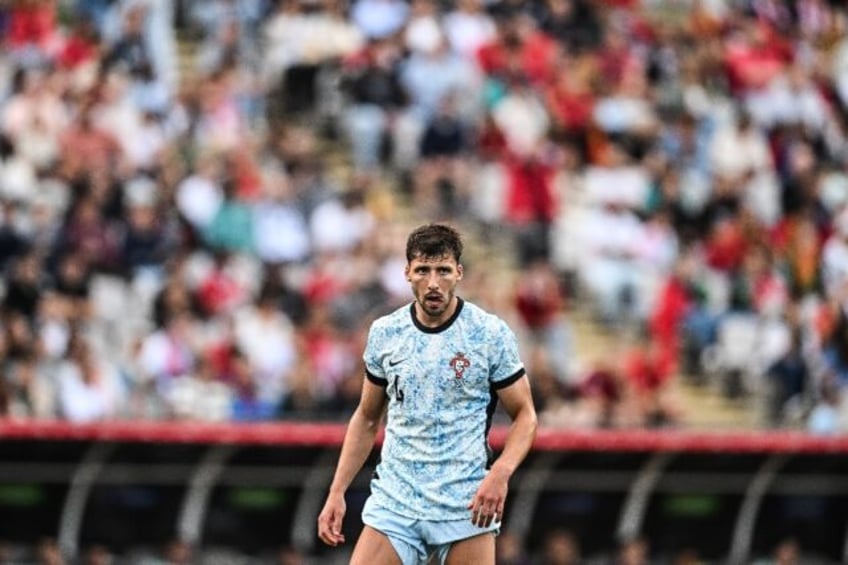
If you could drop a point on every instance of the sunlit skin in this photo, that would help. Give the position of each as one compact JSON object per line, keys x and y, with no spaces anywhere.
{"x":433,"y":281}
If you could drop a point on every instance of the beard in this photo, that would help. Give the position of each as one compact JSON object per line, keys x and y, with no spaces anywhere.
{"x":435,"y":305}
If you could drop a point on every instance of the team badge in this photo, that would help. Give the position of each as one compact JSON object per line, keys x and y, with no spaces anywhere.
{"x":459,"y":363}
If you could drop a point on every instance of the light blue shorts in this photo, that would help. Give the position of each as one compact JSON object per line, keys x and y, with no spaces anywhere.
{"x":416,"y":541}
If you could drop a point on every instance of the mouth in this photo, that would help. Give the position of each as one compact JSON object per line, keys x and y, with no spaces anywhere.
{"x":433,"y":299}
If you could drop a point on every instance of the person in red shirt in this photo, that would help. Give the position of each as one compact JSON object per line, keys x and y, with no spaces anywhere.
{"x":571,"y":101}
{"x":726,"y":245}
{"x":32,"y":29}
{"x":647,"y":375}
{"x":754,"y":56}
{"x":519,"y":47}
{"x":81,"y":47}
{"x":540,"y":301}
{"x":531,"y":200}
{"x":680,"y":325}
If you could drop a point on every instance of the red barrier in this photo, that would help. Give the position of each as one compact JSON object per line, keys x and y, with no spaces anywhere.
{"x":329,"y":435}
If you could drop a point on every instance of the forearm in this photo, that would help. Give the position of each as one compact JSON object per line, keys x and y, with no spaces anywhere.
{"x":518,"y":442}
{"x":358,"y":443}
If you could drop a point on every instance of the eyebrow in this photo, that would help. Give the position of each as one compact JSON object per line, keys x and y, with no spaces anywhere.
{"x":427,"y":266}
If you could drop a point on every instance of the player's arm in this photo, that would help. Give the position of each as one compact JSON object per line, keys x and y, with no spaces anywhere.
{"x":517,"y":401}
{"x":358,"y":443}
{"x":488,"y":503}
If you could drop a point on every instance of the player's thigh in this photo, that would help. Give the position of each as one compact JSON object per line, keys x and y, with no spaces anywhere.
{"x":374,"y":548}
{"x":477,"y":550}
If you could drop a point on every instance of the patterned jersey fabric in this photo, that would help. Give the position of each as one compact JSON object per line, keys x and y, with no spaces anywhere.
{"x":441,"y":385}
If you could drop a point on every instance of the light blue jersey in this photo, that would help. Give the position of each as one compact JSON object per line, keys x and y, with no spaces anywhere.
{"x":441,"y":385}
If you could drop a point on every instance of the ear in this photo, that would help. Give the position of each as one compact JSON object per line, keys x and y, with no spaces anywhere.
{"x":459,"y":271}
{"x":406,"y":273}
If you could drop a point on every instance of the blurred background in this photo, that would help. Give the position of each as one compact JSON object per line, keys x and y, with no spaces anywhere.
{"x":204,"y":204}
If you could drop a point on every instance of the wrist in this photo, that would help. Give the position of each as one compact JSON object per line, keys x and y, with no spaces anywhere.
{"x":501,"y":469}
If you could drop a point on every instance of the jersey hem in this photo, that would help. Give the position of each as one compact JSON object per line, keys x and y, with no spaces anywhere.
{"x":426,"y":517}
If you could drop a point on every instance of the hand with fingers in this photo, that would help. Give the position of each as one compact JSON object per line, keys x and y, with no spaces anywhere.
{"x":487,"y":506}
{"x":330,"y":520}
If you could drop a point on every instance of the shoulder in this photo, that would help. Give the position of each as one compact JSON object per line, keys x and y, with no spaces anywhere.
{"x":481,"y":317}
{"x":391,"y":322}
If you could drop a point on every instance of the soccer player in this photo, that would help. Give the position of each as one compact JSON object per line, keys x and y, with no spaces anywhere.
{"x":438,"y":367}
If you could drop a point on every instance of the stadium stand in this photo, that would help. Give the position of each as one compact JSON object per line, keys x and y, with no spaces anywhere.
{"x":202,"y":205}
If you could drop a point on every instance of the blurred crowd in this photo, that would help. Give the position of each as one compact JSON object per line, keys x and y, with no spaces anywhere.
{"x":204,"y":204}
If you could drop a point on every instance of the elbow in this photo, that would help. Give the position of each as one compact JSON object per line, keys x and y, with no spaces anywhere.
{"x":368,"y":421}
{"x":533,"y":424}
{"x":372,"y":425}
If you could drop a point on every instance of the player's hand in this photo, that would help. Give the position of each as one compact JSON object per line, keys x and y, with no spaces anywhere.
{"x":330,"y":520}
{"x":487,"y":506}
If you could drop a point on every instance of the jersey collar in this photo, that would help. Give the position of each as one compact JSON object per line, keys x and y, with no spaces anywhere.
{"x":438,"y":329}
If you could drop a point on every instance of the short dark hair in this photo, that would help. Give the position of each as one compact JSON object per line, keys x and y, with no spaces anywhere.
{"x":434,"y":240}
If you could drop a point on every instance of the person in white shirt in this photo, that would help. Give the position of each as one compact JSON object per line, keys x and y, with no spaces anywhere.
{"x":611,"y":237}
{"x":199,"y":396}
{"x":281,"y":232}
{"x":266,"y":336}
{"x":200,"y":195}
{"x":740,"y":157}
{"x":341,"y":224}
{"x":834,"y":262}
{"x":468,"y":27}
{"x":90,"y":388}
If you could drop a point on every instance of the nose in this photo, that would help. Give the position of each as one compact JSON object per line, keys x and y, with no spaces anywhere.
{"x":433,"y":280}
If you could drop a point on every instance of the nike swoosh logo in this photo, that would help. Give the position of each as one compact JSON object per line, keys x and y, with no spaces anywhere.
{"x":393,"y":362}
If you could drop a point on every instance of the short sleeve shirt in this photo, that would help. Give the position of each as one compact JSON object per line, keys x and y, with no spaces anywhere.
{"x":441,"y":386}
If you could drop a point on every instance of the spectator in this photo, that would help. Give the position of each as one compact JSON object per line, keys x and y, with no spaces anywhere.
{"x":632,"y":552}
{"x":290,"y":556}
{"x":97,"y":555}
{"x":379,"y":19}
{"x":266,"y":336}
{"x":340,"y":224}
{"x":30,"y":391}
{"x":441,"y":179}
{"x":575,"y":23}
{"x":25,"y":285}
{"x":826,"y":417}
{"x":540,"y":301}
{"x":834,"y":258}
{"x":231,"y":228}
{"x":170,"y":351}
{"x":200,"y":396}
{"x":468,"y":27}
{"x":602,"y":395}
{"x":280,"y":228}
{"x":34,"y":101}
{"x":372,"y":81}
{"x":86,"y":148}
{"x":560,"y":547}
{"x":790,"y":380}
{"x":787,"y":552}
{"x":33,"y":32}
{"x":130,"y":51}
{"x":593,"y":141}
{"x":509,"y":550}
{"x":200,"y":195}
{"x":610,"y":238}
{"x":90,"y":389}
{"x":48,"y":552}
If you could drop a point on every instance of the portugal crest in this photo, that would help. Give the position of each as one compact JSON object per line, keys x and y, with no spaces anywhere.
{"x":459,"y":363}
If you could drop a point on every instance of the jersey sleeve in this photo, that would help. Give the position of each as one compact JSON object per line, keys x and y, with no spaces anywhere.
{"x":505,"y":365}
{"x":371,"y":356}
